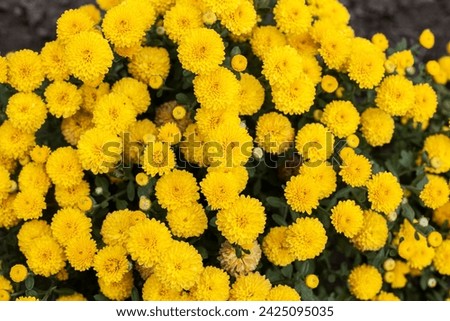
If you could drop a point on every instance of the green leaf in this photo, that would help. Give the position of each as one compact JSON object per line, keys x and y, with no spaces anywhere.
{"x":274,"y":275}
{"x":275,"y":202}
{"x":182,"y":99}
{"x":131,"y":191}
{"x":29,"y":282}
{"x":279,"y":220}
{"x":121,"y":204}
{"x":287,"y":271}
{"x":203,"y":252}
{"x":305,"y":292}
{"x":408,"y":212}
{"x":102,"y":182}
{"x":135,"y":294}
{"x":235,"y":51}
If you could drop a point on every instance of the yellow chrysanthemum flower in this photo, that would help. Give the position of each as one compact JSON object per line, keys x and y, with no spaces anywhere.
{"x":14,"y":143}
{"x":63,"y":99}
{"x":68,"y":196}
{"x":283,"y":293}
{"x":73,"y":22}
{"x":116,"y":225}
{"x":302,"y":194}
{"x":425,"y":103}
{"x":209,"y":120}
{"x":80,"y":252}
{"x":386,"y":296}
{"x":158,"y":158}
{"x":45,"y":257}
{"x":190,"y":221}
{"x":275,"y":247}
{"x":265,"y":38}
{"x":426,"y":39}
{"x":329,"y":84}
{"x":120,"y":290}
{"x":274,"y":133}
{"x":242,"y":20}
{"x":213,"y":285}
{"x":347,"y":218}
{"x":53,"y":63}
{"x":3,"y":70}
{"x":155,"y":290}
{"x":240,"y":264}
{"x":250,"y":287}
{"x":89,"y":57}
{"x":220,"y":7}
{"x":335,"y":49}
{"x":312,"y":281}
{"x":306,"y":238}
{"x":400,"y":61}
{"x":18,"y":273}
{"x":177,"y":189}
{"x":356,"y":170}
{"x":437,"y":148}
{"x":303,"y":43}
{"x":236,"y":173}
{"x":29,"y":232}
{"x":69,"y":223}
{"x":442,"y":214}
{"x":281,"y":65}
{"x":314,"y":142}
{"x":169,"y":133}
{"x":395,"y":95}
{"x":99,"y":150}
{"x":26,"y":111}
{"x":150,"y":62}
{"x":380,"y":40}
{"x":40,"y":154}
{"x":384,"y":192}
{"x":377,"y":126}
{"x":341,"y":117}
{"x":365,"y":282}
{"x":33,"y":176}
{"x":73,"y":127}
{"x":323,"y":173}
{"x":147,"y":240}
{"x":29,"y":204}
{"x":135,"y":91}
{"x":220,"y":189}
{"x":64,"y":167}
{"x":181,"y":18}
{"x":442,"y":258}
{"x":436,"y":192}
{"x":251,"y":94}
{"x":373,"y":234}
{"x":296,"y":97}
{"x":180,"y":266}
{"x":111,"y":263}
{"x":243,"y":221}
{"x":25,"y":70}
{"x":292,"y":17}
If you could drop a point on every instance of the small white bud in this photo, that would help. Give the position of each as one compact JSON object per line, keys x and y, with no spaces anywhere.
{"x":98,"y":190}
{"x":404,"y":200}
{"x":432,"y":282}
{"x":411,"y":70}
{"x":160,"y":31}
{"x":392,"y":216}
{"x":258,"y":153}
{"x":423,"y":221}
{"x":243,"y":124}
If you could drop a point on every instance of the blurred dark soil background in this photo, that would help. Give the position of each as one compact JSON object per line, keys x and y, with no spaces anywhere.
{"x":30,"y":23}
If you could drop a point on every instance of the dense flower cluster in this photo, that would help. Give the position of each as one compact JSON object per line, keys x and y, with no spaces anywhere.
{"x":223,"y":150}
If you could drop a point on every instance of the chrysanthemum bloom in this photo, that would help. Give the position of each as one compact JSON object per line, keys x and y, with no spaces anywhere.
{"x":73,"y":22}
{"x":437,"y":148}
{"x":283,"y":293}
{"x":209,"y":120}
{"x":91,"y":94}
{"x":26,"y":111}
{"x":377,"y":126}
{"x":312,"y":281}
{"x":395,"y":95}
{"x":111,"y":263}
{"x":80,"y":252}
{"x":426,"y":39}
{"x":155,"y":290}
{"x":147,"y":240}
{"x":89,"y":57}
{"x":33,"y":176}
{"x":18,"y":273}
{"x":68,"y":196}
{"x":220,"y":189}
{"x":442,"y":257}
{"x":242,"y":20}
{"x":356,"y":170}
{"x":295,"y":97}
{"x":52,"y":56}
{"x":45,"y":257}
{"x":3,"y":70}
{"x":302,"y":194}
{"x":169,"y":133}
{"x":189,"y":221}
{"x":251,"y":94}
{"x":158,"y":159}
{"x":341,"y":117}
{"x":217,"y":90}
{"x":124,"y":26}
{"x":306,"y":238}
{"x":386,"y":296}
{"x":275,"y":247}
{"x":5,"y":284}
{"x":323,"y":173}
{"x":120,"y":290}
{"x":28,"y":233}
{"x":380,"y":41}
{"x":400,"y":61}
{"x":221,"y":7}
{"x":150,"y":62}
{"x":274,"y":133}
{"x":40,"y":154}
{"x":365,"y":282}
{"x":250,"y":287}
{"x":229,"y":145}
{"x":177,"y":189}
{"x":69,"y":223}
{"x":5,"y":183}
{"x":242,"y":265}
{"x":292,"y":17}
{"x":303,"y":43}
{"x":14,"y":143}
{"x":442,"y":214}
{"x":73,"y":127}
{"x":265,"y":38}
{"x":63,"y":99}
{"x":64,"y":167}
{"x":373,"y":234}
{"x":181,"y":18}
{"x":99,"y":150}
{"x":72,"y":297}
{"x":281,"y":65}
{"x":114,"y":113}
{"x":434,"y":239}
{"x":135,"y":91}
{"x":180,"y":266}
{"x":400,"y":271}
{"x":8,"y":217}
{"x":237,"y":173}
{"x":425,"y":103}
{"x":29,"y":204}
{"x":329,"y":84}
{"x":314,"y":142}
{"x":25,"y":71}
{"x":335,"y":48}
{"x":243,"y":221}
{"x":213,"y":285}
{"x":347,"y":218}
{"x":436,"y":192}
{"x":116,"y":225}
{"x":384,"y":192}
